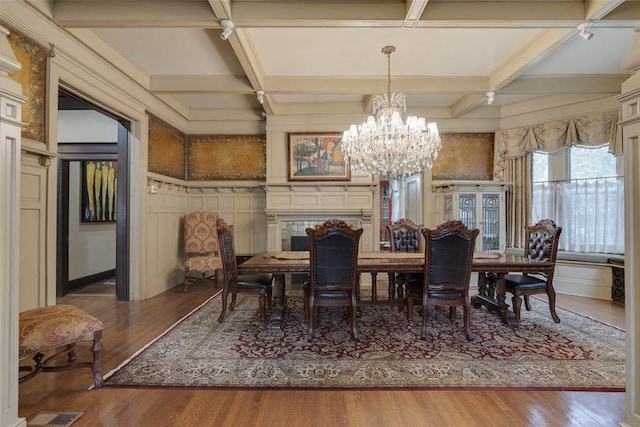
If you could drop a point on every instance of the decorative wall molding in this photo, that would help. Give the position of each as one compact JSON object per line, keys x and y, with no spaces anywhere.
{"x":11,"y":101}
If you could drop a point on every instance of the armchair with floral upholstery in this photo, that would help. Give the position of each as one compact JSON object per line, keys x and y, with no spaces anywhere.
{"x":201,"y":249}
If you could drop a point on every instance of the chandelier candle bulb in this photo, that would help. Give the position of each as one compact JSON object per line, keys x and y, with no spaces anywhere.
{"x":384,"y":145}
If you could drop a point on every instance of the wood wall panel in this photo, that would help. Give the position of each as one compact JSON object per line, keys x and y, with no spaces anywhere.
{"x":166,"y":149}
{"x":226,"y":157}
{"x":241,"y":207}
{"x":163,"y":239}
{"x":33,"y":205}
{"x":32,"y":79}
{"x":465,"y":156}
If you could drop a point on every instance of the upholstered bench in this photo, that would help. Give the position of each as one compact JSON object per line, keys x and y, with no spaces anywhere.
{"x":58,"y":327}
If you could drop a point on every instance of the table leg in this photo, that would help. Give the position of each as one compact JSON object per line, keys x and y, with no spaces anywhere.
{"x":503,"y":308}
{"x":492,"y":295}
{"x":279,"y":303}
{"x":482,"y":283}
{"x":374,"y":286}
{"x":392,"y":286}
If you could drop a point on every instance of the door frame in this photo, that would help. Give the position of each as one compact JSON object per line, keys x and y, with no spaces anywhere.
{"x":96,"y":151}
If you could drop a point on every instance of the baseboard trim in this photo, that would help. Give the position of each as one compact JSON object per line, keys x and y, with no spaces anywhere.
{"x":92,"y":278}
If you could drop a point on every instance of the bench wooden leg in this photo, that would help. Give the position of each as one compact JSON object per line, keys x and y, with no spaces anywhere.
{"x":68,"y":350}
{"x":98,"y":381}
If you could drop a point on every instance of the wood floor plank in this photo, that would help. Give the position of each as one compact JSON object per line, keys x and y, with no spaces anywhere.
{"x":129,"y":326}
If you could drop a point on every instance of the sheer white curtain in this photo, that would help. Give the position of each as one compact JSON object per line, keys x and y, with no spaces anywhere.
{"x":591,"y":212}
{"x":512,"y":154}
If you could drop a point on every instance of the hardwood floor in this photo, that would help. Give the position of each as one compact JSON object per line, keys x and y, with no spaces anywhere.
{"x":129,"y":326}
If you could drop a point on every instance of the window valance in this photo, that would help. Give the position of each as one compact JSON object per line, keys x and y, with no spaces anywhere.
{"x":588,"y":130}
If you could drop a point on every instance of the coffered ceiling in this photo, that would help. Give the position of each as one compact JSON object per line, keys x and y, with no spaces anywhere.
{"x":324,"y":57}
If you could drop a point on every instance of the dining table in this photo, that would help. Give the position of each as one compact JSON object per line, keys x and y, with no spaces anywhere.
{"x":491,"y":269}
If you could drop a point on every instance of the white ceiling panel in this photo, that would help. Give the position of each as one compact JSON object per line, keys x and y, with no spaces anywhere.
{"x":602,"y":54}
{"x":306,"y":55}
{"x":357,"y":51}
{"x":190,"y":51}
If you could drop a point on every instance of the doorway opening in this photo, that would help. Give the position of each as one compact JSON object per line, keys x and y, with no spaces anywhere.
{"x":93,"y":192}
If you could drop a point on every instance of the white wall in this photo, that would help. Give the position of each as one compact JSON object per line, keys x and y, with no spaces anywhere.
{"x":86,"y":126}
{"x":92,"y":245}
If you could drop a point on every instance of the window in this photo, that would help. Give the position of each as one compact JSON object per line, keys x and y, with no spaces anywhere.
{"x":581,"y":190}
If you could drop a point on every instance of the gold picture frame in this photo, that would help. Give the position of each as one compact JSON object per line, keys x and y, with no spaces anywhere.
{"x":316,"y":157}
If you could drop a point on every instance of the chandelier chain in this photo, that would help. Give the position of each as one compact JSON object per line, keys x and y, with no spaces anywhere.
{"x":388,"y":50}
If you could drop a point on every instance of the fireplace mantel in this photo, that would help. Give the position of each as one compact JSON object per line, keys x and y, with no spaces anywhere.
{"x":309,"y":204}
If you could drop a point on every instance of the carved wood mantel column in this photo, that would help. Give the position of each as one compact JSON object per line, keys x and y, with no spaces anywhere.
{"x":11,"y":101}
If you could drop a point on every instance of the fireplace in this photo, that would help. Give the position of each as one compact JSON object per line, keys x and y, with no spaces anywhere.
{"x":291,"y":209}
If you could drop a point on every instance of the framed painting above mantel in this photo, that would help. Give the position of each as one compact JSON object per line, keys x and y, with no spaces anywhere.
{"x":316,"y":157}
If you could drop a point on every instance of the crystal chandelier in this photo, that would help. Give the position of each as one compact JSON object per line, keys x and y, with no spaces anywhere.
{"x":387,"y":146}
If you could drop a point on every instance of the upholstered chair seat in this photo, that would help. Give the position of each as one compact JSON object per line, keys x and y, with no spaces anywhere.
{"x":234,"y":283}
{"x":542,"y":244}
{"x":58,"y":328}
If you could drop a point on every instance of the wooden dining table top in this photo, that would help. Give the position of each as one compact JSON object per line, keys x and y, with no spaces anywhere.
{"x":372,"y":262}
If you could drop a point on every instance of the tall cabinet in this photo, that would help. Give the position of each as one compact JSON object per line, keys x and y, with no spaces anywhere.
{"x":478,"y":204}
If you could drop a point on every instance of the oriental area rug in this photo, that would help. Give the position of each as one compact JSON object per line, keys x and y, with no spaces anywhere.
{"x":577,"y":354}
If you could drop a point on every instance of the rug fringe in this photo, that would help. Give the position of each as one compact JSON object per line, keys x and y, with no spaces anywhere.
{"x":153,"y":341}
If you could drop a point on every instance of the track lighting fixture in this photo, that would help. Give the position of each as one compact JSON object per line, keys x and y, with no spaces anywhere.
{"x":490,"y":95}
{"x":227,"y":29}
{"x":585,"y":30}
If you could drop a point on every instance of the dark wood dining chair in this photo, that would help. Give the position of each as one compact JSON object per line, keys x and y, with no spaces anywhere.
{"x":447,"y":271}
{"x":333,"y":277}
{"x":234,"y":283}
{"x":405,"y":236}
{"x":542,"y":244}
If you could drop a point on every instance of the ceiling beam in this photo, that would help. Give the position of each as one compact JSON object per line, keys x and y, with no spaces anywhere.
{"x":597,"y":9}
{"x":344,"y":14}
{"x":128,"y":14}
{"x":413,"y":12}
{"x":542,"y":46}
{"x":244,"y":50}
{"x":465,"y":104}
{"x":552,"y":85}
{"x":525,"y":85}
{"x":200,"y":84}
{"x":373,"y":85}
{"x":221,"y":8}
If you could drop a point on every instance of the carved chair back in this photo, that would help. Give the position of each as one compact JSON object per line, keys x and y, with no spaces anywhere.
{"x":200,"y":234}
{"x":333,"y":253}
{"x":227,"y":251}
{"x":405,"y":236}
{"x":448,"y":256}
